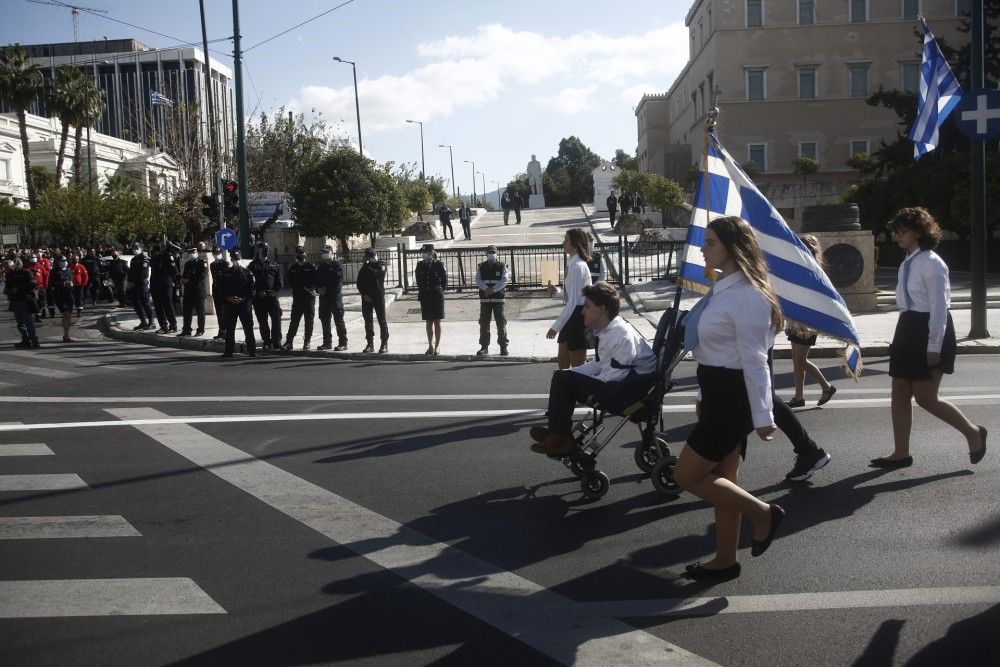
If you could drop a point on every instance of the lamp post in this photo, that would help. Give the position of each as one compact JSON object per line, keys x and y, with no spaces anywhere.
{"x":473,"y":163}
{"x":357,"y":106}
{"x":423,"y":167}
{"x":484,"y":183}
{"x":451,"y":156}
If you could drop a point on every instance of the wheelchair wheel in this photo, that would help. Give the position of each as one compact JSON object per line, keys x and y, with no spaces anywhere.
{"x":647,"y":455}
{"x":576,"y":469}
{"x":595,"y":484}
{"x":663,"y":478}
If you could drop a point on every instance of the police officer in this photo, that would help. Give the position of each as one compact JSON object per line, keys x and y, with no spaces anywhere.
{"x":217,"y":267}
{"x":118,"y":272}
{"x":267,"y":280}
{"x":138,"y":278}
{"x":612,"y":202}
{"x":92,"y":263}
{"x":444,"y":215}
{"x":329,"y":284}
{"x":194,"y":280}
{"x":492,"y":278}
{"x":238,"y":291}
{"x":302,"y":280}
{"x":624,"y":203}
{"x":371,"y":286}
{"x":163,"y":273}
{"x":465,"y":217}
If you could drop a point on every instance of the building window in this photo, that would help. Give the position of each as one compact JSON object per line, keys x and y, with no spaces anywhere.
{"x":701,"y":33}
{"x":807,"y":12}
{"x":859,"y":146}
{"x":755,"y":13}
{"x":911,"y":9}
{"x":808,"y":149}
{"x":859,"y":11}
{"x":911,"y":78}
{"x":859,"y":80}
{"x":756,"y":84}
{"x":807,"y":83}
{"x":963,"y":7}
{"x":757,"y":153}
{"x":4,"y":170}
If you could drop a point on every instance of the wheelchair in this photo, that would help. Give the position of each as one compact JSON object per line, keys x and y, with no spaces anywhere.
{"x":638,"y":399}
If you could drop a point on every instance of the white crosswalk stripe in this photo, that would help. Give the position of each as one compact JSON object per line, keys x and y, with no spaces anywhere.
{"x":42,"y":482}
{"x":26,"y":449}
{"x":50,"y":373}
{"x":50,"y":527}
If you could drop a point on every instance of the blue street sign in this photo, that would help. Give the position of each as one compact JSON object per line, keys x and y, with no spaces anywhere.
{"x":978,"y":114}
{"x":225,"y":239}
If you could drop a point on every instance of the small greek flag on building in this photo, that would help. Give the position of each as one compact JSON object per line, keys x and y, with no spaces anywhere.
{"x":805,"y":293}
{"x":156,"y":99}
{"x":939,"y":95}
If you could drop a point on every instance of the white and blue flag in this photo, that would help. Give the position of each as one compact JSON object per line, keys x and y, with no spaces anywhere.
{"x":939,"y":95}
{"x":158,"y":99}
{"x":804,"y":292}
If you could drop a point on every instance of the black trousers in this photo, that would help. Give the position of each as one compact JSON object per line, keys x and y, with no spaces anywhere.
{"x":566,"y":390}
{"x":163,"y":304}
{"x":141,"y":303}
{"x":785,"y":419}
{"x":242,"y":313}
{"x":193,"y":303}
{"x":118,"y":290}
{"x":94,"y":287}
{"x":376,"y":306}
{"x":466,"y":228}
{"x":446,"y":227}
{"x":78,"y":294}
{"x":332,"y":304}
{"x":40,"y":302}
{"x":506,"y":215}
{"x":302,"y":306}
{"x":612,"y":214}
{"x":268,"y":307}
{"x":517,"y":214}
{"x":220,"y":312}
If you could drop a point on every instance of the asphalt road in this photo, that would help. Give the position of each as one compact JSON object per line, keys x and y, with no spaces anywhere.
{"x":395,"y":516}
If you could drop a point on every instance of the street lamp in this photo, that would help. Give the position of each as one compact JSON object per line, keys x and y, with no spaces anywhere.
{"x":451,"y":156}
{"x":423,"y":167}
{"x":484,"y":183}
{"x":357,"y":107}
{"x":473,"y":163}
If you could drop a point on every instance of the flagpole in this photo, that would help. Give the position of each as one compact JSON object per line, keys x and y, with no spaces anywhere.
{"x":978,"y":203}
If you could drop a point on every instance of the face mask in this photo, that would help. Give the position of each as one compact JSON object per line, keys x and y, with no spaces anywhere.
{"x":427,"y":257}
{"x":326,"y":255}
{"x":217,"y":255}
{"x":491,"y":256}
{"x":63,"y":265}
{"x":32,"y":259}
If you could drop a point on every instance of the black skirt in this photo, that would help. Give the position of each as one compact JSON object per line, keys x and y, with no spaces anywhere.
{"x":573,"y":333}
{"x":908,"y":351}
{"x":808,"y":342}
{"x":726,"y":418}
{"x":63,"y":300}
{"x":431,"y":305}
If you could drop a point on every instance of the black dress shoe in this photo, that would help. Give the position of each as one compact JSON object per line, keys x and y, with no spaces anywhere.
{"x":976,"y":457}
{"x":698,"y":573}
{"x":759,"y":547}
{"x":891,"y":464}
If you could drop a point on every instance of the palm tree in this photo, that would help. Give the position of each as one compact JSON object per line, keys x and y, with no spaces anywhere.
{"x":88,"y":111}
{"x":20,"y":84}
{"x":65,"y":99}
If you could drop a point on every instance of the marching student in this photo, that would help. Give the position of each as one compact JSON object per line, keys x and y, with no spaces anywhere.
{"x":569,"y":325}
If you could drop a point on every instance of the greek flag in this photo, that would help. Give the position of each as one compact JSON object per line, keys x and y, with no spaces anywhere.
{"x":804,"y":292}
{"x":156,"y":99}
{"x":939,"y":95}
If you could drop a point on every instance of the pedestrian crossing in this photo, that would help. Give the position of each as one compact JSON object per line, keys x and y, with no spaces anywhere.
{"x":72,"y":596}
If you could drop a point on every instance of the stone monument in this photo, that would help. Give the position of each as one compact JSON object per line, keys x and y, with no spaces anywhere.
{"x":848,"y":251}
{"x":603,"y":174}
{"x":537,"y":197}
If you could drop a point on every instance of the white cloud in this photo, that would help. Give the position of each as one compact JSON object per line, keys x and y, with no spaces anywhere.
{"x":516,"y":64}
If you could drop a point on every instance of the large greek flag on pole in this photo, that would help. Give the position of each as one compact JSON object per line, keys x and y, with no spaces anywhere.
{"x":939,"y":95}
{"x":805,"y":293}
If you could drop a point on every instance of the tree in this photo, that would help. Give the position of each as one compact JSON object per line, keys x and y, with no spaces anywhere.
{"x":570,"y":174}
{"x":520,"y":185}
{"x":623,"y":160}
{"x":863,"y":162}
{"x":44,"y":179}
{"x":91,"y":106}
{"x":418,"y":198}
{"x":65,"y":99}
{"x":662,"y":193}
{"x":805,"y":166}
{"x":20,"y":84}
{"x":281,"y":147}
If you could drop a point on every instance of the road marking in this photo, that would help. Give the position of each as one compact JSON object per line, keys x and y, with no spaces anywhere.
{"x":146,"y":400}
{"x":48,"y":482}
{"x":50,"y":598}
{"x":43,"y":372}
{"x":26,"y":449}
{"x":542,"y":619}
{"x":746,"y":604}
{"x":49,"y":527}
{"x":76,"y":361}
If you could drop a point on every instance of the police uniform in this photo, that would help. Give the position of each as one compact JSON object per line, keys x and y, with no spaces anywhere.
{"x":194,"y":280}
{"x":492,"y":274}
{"x":238,"y":282}
{"x":612,"y":202}
{"x":118,"y":272}
{"x":267,"y":278}
{"x":371,"y":284}
{"x":138,"y":278}
{"x":161,"y":285}
{"x":329,"y":282}
{"x":598,"y":269}
{"x":302,"y":280}
{"x":217,"y":268}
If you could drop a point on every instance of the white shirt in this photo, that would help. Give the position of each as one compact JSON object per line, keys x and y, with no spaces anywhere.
{"x":577,"y":277}
{"x":930,"y":292}
{"x":619,"y":341}
{"x":734,"y":331}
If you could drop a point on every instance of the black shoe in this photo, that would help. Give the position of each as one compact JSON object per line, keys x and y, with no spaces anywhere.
{"x":539,"y":433}
{"x":23,"y":345}
{"x":218,"y":337}
{"x":777,"y":514}
{"x":826,"y":395}
{"x":306,"y":346}
{"x":504,"y":352}
{"x":341,"y":348}
{"x":288,"y":346}
{"x":35,"y":343}
{"x":369,"y":349}
{"x":325,"y":346}
{"x":383,"y":348}
{"x":184,"y":332}
{"x":795,"y":402}
{"x":199,"y":332}
{"x":483,"y":351}
{"x":890,"y":464}
{"x":149,"y":325}
{"x":976,"y":457}
{"x":139,"y":327}
{"x":806,"y":464}
{"x":161,"y":330}
{"x":252,"y":353}
{"x":698,"y":573}
{"x":172,"y":330}
{"x":227,"y":355}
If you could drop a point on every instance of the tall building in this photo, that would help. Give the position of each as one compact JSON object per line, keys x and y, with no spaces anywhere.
{"x":790,"y":78}
{"x":147,"y":92}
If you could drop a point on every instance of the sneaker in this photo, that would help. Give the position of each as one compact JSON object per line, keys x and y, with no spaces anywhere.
{"x":369,"y":349}
{"x":185,"y":332}
{"x":139,"y":327}
{"x":807,"y":464}
{"x":341,"y":348}
{"x":306,"y":346}
{"x":197,"y":333}
{"x":795,"y":402}
{"x":288,"y":346}
{"x":483,"y":351}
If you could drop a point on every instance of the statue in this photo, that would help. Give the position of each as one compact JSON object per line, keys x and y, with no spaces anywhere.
{"x":535,"y":176}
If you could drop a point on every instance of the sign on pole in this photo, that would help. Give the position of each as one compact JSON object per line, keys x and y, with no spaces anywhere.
{"x":226,"y":239}
{"x":978,"y":114}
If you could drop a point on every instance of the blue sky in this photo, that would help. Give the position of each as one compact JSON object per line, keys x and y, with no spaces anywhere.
{"x":498,"y":81}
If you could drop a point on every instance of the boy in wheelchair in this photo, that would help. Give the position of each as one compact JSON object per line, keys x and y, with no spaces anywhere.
{"x":619,"y":351}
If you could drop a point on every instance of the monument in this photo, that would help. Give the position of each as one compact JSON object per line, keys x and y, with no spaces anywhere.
{"x":537,"y":197}
{"x":603,"y":174}
{"x":848,"y":250}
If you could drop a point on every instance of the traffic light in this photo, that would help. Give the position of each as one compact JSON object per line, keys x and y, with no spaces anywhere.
{"x":231,"y":198}
{"x":210,"y":206}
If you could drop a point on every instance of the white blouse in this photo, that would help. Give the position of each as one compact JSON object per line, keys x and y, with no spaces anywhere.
{"x":929,"y":290}
{"x":577,"y":277}
{"x":734,"y":331}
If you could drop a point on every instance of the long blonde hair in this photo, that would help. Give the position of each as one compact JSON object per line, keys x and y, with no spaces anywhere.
{"x":815,"y":248}
{"x":738,"y":237}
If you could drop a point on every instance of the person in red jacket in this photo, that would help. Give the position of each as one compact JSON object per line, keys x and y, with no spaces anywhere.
{"x":40,"y":272}
{"x":80,"y":281}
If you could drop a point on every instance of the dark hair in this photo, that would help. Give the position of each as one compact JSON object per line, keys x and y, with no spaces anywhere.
{"x":740,"y":241}
{"x":815,"y":248}
{"x":580,"y":240}
{"x":921,"y":221}
{"x":603,"y":294}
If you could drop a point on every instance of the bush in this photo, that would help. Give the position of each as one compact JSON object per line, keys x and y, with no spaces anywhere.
{"x":805,"y":166}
